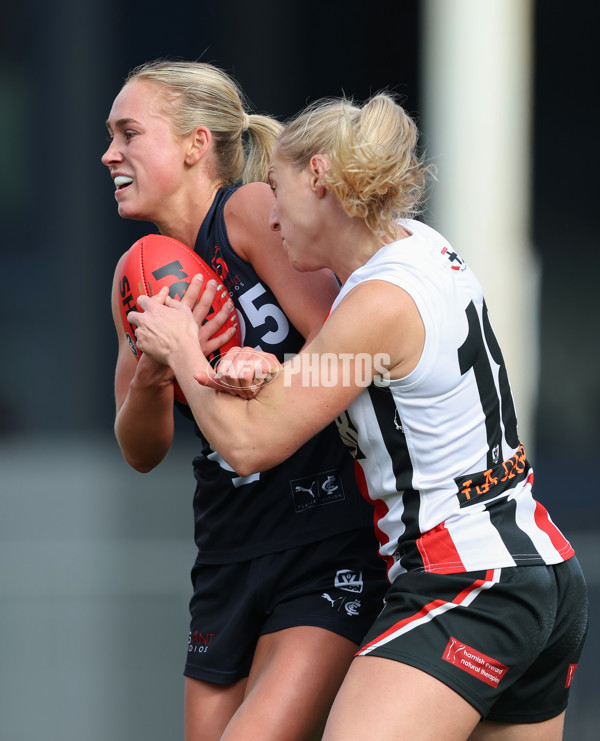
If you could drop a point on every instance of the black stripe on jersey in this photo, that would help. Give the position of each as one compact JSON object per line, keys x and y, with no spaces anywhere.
{"x":509,"y":415}
{"x":393,"y":435}
{"x":518,"y":543}
{"x":410,"y":558}
{"x":472,"y":355}
{"x":394,"y":439}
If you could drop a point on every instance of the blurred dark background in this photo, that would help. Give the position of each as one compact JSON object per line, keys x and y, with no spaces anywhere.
{"x":93,"y":557}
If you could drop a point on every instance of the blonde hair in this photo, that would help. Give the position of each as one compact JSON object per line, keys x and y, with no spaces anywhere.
{"x":374,"y":169}
{"x":199,"y":94}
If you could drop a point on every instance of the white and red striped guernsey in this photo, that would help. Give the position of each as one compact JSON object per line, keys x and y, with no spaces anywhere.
{"x":438,"y":452}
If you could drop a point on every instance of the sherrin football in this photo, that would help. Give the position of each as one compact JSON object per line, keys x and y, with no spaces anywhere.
{"x":156,"y":261}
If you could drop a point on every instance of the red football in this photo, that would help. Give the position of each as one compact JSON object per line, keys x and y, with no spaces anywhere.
{"x":156,"y":261}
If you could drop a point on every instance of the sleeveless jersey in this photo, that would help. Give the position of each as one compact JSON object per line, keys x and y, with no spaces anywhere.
{"x":438,"y":452}
{"x":310,"y":496}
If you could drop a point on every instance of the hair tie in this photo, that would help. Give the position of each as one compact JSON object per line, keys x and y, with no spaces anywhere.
{"x":246,"y":122}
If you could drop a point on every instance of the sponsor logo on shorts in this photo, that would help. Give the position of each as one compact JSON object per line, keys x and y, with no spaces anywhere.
{"x":349,"y":580}
{"x":313,"y":491}
{"x":474,"y":662}
{"x":199,"y":642}
{"x":570,"y":673}
{"x":352,"y":607}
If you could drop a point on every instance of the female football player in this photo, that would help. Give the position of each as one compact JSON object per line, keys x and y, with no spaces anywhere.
{"x":486,"y":614}
{"x":286,"y":580}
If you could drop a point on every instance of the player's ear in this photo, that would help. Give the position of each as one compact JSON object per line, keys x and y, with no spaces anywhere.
{"x":318,"y":167}
{"x":198,"y":144}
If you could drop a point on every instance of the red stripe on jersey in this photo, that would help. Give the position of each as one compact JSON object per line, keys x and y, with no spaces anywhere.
{"x":429,"y":611}
{"x":379,"y":506}
{"x":438,"y":551}
{"x":543,"y":521}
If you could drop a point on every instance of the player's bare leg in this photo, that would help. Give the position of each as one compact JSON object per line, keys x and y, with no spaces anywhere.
{"x":293,"y":681}
{"x":209,"y":708}
{"x":384,"y":699}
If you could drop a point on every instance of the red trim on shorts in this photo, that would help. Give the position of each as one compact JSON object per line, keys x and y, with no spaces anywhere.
{"x":429,"y":611}
{"x":570,"y":673}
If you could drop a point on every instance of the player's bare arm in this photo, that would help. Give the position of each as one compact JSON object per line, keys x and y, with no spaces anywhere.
{"x":256,"y":434}
{"x":144,"y":424}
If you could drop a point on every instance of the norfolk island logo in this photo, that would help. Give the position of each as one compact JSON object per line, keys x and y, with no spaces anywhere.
{"x":313,"y":491}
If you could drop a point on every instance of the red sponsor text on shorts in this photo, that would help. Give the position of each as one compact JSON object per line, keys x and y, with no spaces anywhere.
{"x":474,"y":662}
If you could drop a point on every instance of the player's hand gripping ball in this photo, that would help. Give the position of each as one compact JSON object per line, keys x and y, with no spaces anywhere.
{"x":156,"y":261}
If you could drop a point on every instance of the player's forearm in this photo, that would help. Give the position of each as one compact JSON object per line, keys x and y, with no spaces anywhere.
{"x":144,"y":425}
{"x":227,"y":422}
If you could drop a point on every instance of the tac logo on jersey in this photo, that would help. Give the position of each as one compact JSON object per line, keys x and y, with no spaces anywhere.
{"x":313,"y":491}
{"x":349,"y":580}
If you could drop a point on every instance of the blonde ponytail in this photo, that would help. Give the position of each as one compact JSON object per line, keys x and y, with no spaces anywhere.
{"x":374,"y":169}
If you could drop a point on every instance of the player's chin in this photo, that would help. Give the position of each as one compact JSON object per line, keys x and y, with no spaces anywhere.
{"x":130,"y":211}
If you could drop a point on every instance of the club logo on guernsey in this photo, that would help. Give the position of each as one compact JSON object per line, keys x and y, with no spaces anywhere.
{"x":313,"y":491}
{"x":455,"y":261}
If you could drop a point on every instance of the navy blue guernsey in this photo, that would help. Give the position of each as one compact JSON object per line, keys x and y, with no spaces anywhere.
{"x":309,"y":497}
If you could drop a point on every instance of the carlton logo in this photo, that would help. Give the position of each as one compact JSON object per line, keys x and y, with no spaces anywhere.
{"x":473,"y":662}
{"x":313,"y":491}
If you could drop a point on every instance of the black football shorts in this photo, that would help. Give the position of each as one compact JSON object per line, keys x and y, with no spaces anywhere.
{"x":507,"y":640}
{"x":337,"y":584}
